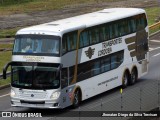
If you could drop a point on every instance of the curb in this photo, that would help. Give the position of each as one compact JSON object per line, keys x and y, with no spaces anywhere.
{"x":4,"y":86}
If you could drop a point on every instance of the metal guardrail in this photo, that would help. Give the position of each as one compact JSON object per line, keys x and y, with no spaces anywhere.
{"x":156,"y":25}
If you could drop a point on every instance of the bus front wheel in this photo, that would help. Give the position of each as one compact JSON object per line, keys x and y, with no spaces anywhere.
{"x":76,"y":100}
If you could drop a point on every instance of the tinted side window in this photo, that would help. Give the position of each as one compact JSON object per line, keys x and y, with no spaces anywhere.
{"x":102,"y":34}
{"x":105,"y":64}
{"x":107,"y":32}
{"x":143,"y":20}
{"x":133,"y":22}
{"x":64,"y":44}
{"x":69,"y":42}
{"x":71,"y":74}
{"x":84,"y":40}
{"x":72,"y":41}
{"x":94,"y":35}
{"x":96,"y":68}
{"x":113,"y":30}
{"x":116,"y":29}
{"x":99,"y":65}
{"x":121,"y":28}
{"x":116,"y":59}
{"x":113,"y":62}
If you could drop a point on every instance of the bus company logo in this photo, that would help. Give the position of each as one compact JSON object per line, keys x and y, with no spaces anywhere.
{"x":90,"y":52}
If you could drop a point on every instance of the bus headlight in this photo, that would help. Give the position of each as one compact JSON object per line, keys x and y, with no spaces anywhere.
{"x":13,"y":94}
{"x":55,"y":95}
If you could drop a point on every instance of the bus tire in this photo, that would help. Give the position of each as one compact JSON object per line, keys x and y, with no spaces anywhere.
{"x":134,"y":76}
{"x":76,"y":99}
{"x":125,"y":79}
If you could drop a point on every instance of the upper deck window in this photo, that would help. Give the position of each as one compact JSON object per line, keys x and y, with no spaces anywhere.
{"x":37,"y":45}
{"x":69,"y":42}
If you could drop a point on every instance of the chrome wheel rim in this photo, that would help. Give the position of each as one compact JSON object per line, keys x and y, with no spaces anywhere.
{"x":133,"y":76}
{"x":125,"y":80}
{"x":76,"y":97}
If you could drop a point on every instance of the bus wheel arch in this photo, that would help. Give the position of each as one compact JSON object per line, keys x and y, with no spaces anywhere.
{"x":125,"y":78}
{"x":77,"y":97}
{"x":134,"y":75}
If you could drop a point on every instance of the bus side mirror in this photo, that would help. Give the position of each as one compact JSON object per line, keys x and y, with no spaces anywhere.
{"x":58,"y":69}
{"x":5,"y":69}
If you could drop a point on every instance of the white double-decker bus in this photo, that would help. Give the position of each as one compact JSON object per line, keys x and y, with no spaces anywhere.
{"x":61,"y":63}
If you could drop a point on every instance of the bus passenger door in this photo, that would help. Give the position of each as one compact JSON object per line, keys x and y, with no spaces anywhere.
{"x":65,"y":101}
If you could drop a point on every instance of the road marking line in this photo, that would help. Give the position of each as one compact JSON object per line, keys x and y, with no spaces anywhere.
{"x":156,"y":55}
{"x":155,"y":48}
{"x":154,"y":40}
{"x":4,"y":95}
{"x":151,"y":49}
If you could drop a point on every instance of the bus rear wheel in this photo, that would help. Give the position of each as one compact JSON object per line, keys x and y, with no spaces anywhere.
{"x":125,"y":79}
{"x":133,"y":76}
{"x":76,"y":99}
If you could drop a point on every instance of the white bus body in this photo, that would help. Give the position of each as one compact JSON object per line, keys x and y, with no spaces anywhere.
{"x":58,"y":64}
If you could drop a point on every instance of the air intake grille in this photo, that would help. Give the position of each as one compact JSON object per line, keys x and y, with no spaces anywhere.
{"x":32,"y":94}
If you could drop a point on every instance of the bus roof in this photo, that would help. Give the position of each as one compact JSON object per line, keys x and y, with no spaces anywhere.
{"x":60,"y":27}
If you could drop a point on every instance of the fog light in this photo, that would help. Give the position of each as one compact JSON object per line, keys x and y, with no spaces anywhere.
{"x":55,"y":104}
{"x":12,"y":102}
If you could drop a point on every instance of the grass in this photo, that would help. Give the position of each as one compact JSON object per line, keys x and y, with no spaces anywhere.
{"x":154,"y":30}
{"x":5,"y":82}
{"x":27,"y":6}
{"x":8,"y":46}
{"x":39,"y":5}
{"x":152,"y":13}
{"x":8,"y":32}
{"x":5,"y":57}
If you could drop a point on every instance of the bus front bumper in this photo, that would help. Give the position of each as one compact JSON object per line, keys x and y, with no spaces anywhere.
{"x":35,"y":104}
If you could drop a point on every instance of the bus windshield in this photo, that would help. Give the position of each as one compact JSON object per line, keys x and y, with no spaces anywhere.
{"x":37,"y":45}
{"x":34,"y":76}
